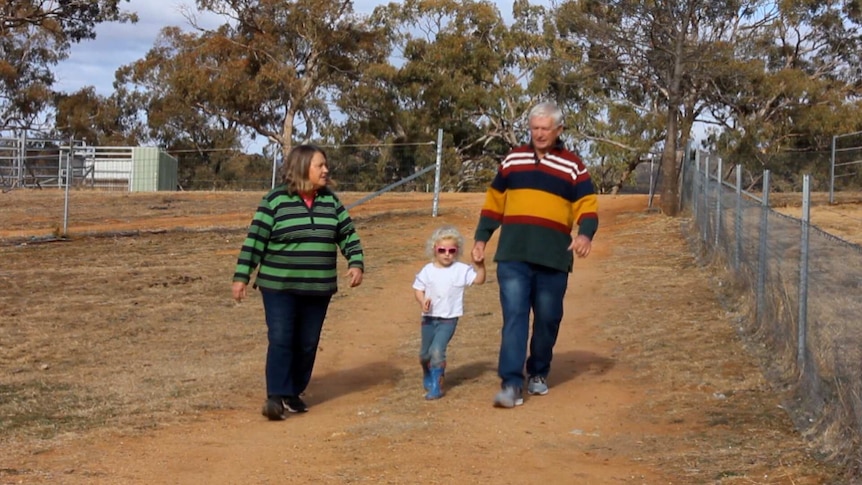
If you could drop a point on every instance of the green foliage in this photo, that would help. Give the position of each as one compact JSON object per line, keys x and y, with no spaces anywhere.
{"x":462,"y":70}
{"x":792,"y":87}
{"x":634,"y":79}
{"x":34,"y":36}
{"x":85,"y":115}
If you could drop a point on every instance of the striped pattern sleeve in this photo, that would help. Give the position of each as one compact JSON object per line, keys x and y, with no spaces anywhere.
{"x":491,"y":215}
{"x":348,"y":239}
{"x":584,"y":200}
{"x":255,"y":243}
{"x":586,"y":215}
{"x":586,"y":203}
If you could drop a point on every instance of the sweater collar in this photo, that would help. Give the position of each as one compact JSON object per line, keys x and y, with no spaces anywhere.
{"x":556,"y":147}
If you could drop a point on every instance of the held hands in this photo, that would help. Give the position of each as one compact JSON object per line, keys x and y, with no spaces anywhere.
{"x":478,"y":252}
{"x":581,"y":246}
{"x":355,"y":276}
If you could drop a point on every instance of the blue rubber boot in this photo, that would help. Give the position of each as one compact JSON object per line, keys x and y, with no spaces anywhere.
{"x":436,"y":390}
{"x":426,"y":375}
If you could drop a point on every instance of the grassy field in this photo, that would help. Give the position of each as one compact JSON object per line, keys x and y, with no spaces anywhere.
{"x":124,"y":334}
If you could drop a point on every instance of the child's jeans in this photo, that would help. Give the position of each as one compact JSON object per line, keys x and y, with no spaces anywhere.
{"x":436,"y":333}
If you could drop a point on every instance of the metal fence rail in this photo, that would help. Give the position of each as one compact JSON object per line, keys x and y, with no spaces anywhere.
{"x":805,"y":303}
{"x":34,"y":162}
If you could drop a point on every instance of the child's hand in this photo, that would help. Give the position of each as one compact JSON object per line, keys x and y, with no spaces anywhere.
{"x":426,"y":305}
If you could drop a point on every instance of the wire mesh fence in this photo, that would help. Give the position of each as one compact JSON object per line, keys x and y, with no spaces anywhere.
{"x":845,"y":164}
{"x":804,"y":306}
{"x":371,"y":169}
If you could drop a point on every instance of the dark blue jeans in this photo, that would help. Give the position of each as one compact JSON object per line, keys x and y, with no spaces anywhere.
{"x":294,"y":323}
{"x":436,"y":334}
{"x":526,"y":287}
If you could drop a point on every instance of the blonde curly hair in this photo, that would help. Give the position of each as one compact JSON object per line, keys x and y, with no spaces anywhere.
{"x":445,"y":232}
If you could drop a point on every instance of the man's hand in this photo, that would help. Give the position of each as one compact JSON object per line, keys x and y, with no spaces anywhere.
{"x":478,"y":252}
{"x":581,"y":246}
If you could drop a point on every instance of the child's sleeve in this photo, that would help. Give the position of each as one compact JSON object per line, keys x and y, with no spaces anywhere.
{"x":420,"y":281}
{"x":469,"y":275}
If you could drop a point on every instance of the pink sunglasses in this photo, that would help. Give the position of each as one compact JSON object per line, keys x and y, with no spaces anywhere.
{"x":443,"y":250}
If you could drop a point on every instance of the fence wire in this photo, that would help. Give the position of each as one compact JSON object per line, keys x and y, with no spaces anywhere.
{"x":804,"y":302}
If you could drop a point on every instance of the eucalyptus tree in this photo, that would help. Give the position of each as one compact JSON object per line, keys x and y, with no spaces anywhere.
{"x":639,"y":73}
{"x":93,"y":118}
{"x":456,"y":66}
{"x":271,"y":65}
{"x":34,"y":36}
{"x":791,"y":88}
{"x":151,"y":94}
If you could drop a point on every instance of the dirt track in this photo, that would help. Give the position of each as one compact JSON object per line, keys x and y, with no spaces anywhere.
{"x":649,"y":384}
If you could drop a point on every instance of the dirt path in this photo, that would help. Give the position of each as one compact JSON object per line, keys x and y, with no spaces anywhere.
{"x":601,"y":423}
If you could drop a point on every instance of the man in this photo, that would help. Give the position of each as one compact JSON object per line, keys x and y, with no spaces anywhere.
{"x":540,"y":191}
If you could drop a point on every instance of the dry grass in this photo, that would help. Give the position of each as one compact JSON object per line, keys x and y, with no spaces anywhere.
{"x":681,"y":340}
{"x":843,"y":219}
{"x":124,"y":335}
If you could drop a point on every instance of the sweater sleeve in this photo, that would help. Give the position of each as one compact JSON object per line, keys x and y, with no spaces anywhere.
{"x":492,"y":210}
{"x":255,"y":242}
{"x":586,"y":207}
{"x":348,"y":239}
{"x":586,"y":216}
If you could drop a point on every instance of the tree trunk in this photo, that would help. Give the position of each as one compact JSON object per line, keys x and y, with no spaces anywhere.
{"x":287,"y":132}
{"x":670,"y":181}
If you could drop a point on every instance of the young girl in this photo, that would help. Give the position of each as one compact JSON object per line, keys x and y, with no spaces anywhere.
{"x":439,"y":289}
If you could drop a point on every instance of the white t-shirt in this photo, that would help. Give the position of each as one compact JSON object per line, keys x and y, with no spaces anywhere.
{"x":445,"y":287}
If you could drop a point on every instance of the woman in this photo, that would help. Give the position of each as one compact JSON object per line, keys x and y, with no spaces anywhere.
{"x":293,"y":241}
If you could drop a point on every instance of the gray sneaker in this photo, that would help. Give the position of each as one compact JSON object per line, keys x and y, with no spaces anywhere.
{"x":508,"y":397}
{"x":537,"y":386}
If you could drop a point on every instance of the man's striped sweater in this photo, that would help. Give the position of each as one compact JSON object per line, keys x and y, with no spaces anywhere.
{"x":294,"y":247}
{"x":536,"y":203}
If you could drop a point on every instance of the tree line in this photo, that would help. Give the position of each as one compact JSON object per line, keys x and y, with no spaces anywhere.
{"x":763,"y":78}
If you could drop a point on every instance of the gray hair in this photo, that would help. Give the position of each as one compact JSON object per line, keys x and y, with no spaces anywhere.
{"x":444,"y":232}
{"x":547,"y":109}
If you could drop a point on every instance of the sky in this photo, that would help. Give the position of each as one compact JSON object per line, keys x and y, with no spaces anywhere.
{"x":93,"y":63}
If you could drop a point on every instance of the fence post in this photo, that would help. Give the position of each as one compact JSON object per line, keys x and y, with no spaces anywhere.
{"x":761,"y":253}
{"x":695,"y":189}
{"x":439,"y":166}
{"x":22,"y":158}
{"x":66,"y":193}
{"x":705,"y":233}
{"x":652,"y":179}
{"x":802,"y":336}
{"x":737,"y":222}
{"x":832,"y":173}
{"x":718,"y":189}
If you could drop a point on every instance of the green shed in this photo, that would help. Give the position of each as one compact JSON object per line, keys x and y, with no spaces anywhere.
{"x":152,"y":170}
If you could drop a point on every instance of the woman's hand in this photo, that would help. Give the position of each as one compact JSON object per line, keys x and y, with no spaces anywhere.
{"x":355,"y":276}
{"x":239,"y":290}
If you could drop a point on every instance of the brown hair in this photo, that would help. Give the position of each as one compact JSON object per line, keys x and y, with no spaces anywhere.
{"x":294,"y":171}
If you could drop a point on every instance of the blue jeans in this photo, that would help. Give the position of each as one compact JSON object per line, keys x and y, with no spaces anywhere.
{"x":436,"y":334}
{"x":294,"y":323}
{"x":526,"y":287}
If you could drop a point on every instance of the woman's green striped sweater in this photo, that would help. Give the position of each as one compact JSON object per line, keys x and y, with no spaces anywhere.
{"x":294,"y":247}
